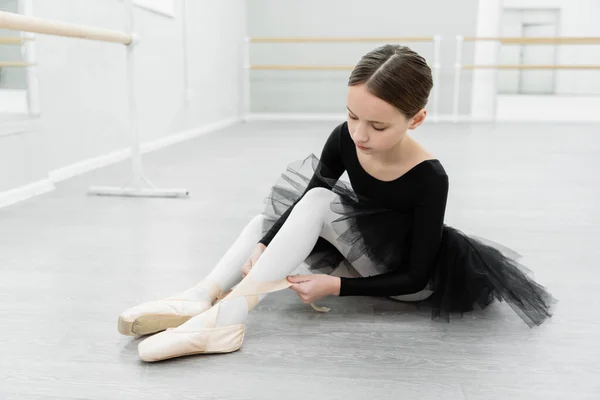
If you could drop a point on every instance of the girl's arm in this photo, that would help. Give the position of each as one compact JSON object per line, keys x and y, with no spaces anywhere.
{"x":427,"y":234}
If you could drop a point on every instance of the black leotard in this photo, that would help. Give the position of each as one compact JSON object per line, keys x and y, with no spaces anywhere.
{"x":422,"y":191}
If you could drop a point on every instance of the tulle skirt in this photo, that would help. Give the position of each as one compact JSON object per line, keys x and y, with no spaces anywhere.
{"x":469,"y":271}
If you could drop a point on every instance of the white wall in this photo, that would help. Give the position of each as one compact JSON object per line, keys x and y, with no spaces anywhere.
{"x":83,"y":92}
{"x":575,"y":89}
{"x":324,"y":91}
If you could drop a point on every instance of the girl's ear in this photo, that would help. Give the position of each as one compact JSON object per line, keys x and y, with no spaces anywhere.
{"x":418,"y":119}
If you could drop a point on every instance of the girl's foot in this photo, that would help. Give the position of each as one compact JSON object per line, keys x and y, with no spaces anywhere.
{"x":217,"y":330}
{"x":156,"y":316}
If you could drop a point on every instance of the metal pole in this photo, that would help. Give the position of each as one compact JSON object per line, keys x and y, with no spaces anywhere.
{"x":140,"y":186}
{"x":246,"y":80}
{"x":186,"y":77}
{"x":457,"y":71}
{"x":436,"y":76}
{"x":136,"y":155}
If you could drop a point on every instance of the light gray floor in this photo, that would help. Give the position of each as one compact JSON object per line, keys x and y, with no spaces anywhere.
{"x":69,"y":264}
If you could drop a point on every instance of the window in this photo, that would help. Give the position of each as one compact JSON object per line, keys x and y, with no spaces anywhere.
{"x":13,"y":79}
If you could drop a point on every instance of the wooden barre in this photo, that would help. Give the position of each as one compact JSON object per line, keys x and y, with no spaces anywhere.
{"x":341,"y":39}
{"x":302,"y":67}
{"x":584,"y":67}
{"x":536,"y":40}
{"x":24,"y":23}
{"x":14,"y":40}
{"x":275,"y":67}
{"x":4,"y":64}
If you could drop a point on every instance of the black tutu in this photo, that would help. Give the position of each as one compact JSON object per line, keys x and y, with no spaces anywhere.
{"x":469,"y":271}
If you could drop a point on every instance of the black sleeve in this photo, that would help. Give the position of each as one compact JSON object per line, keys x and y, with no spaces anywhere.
{"x":429,"y":215}
{"x":331,"y":166}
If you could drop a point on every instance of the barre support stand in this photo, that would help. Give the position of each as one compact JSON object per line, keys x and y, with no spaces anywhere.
{"x":140,"y":185}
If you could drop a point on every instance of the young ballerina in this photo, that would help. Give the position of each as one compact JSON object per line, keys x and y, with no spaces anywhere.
{"x":381,"y":234}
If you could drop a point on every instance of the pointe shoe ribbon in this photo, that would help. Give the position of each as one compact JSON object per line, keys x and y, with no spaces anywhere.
{"x":273,"y":286}
{"x":182,"y":341}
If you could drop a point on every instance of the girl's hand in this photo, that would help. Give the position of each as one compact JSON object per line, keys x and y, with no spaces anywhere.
{"x":256,"y":253}
{"x":311,"y":288}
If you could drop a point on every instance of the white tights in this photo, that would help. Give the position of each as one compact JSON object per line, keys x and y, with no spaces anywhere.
{"x":310,"y":219}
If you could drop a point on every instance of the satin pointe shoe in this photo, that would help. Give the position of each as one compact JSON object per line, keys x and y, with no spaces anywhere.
{"x":182,"y":341}
{"x":155,"y":316}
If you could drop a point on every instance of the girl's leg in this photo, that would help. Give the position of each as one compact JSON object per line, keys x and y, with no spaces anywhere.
{"x":228,"y":271}
{"x":220,"y":329}
{"x":286,"y":252}
{"x":310,"y":219}
{"x":154,"y":316}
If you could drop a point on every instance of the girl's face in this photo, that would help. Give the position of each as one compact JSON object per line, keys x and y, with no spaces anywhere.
{"x":375,"y":125}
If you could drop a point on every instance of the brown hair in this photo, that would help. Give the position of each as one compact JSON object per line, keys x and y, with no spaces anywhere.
{"x":397,"y":75}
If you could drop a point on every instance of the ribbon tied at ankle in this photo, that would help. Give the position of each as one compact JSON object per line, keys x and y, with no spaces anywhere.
{"x":252,"y":289}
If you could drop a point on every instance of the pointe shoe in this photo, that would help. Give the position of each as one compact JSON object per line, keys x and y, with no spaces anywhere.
{"x":182,"y":341}
{"x":155,"y":316}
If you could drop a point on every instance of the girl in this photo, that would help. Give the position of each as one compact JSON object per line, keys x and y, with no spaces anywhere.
{"x":383,"y":235}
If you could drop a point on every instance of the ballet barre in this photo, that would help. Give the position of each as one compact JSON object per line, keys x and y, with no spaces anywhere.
{"x":16,"y":64}
{"x":458,"y":66}
{"x":302,"y":67}
{"x":18,"y":22}
{"x":435,"y":40}
{"x":342,"y":39}
{"x":531,"y":66}
{"x":139,"y":185}
{"x":536,"y":40}
{"x":14,"y":40}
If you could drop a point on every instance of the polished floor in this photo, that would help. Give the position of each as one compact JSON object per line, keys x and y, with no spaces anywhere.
{"x":70,"y":263}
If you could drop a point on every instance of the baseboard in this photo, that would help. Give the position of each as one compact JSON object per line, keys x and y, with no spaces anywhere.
{"x":17,"y":123}
{"x":188,"y":134}
{"x":105,"y":160}
{"x":16,"y":195}
{"x":294,"y":117}
{"x":463,"y":118}
{"x":37,"y":188}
